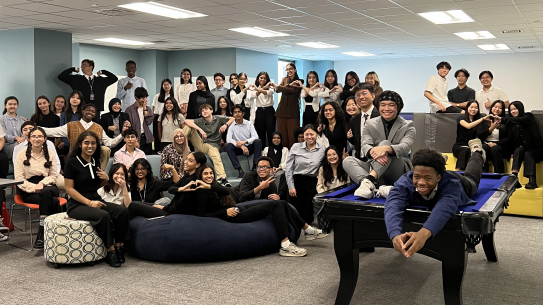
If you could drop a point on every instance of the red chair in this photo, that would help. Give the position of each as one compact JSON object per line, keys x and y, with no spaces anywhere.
{"x":28,"y":207}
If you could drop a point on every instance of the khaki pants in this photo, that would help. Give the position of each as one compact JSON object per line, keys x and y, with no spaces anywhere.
{"x":104,"y":157}
{"x":211,"y":151}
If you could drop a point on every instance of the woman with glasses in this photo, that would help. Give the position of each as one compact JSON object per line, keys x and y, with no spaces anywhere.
{"x":144,"y":187}
{"x":288,"y":111}
{"x":351,"y":80}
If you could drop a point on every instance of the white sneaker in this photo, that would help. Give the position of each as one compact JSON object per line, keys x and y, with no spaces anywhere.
{"x":317,"y":234}
{"x":3,"y":237}
{"x":292,"y":250}
{"x":476,"y":145}
{"x":365,"y":190}
{"x":383,"y":191}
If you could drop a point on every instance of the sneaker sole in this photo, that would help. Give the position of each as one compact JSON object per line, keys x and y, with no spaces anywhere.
{"x":319,"y":237}
{"x":292,"y":255}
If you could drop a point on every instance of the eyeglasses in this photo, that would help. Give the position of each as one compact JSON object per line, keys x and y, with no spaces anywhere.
{"x":262,"y":168}
{"x":290,"y":69}
{"x":361,"y":94}
{"x":218,"y":79}
{"x":140,"y":170}
{"x":179,"y":137}
{"x":37,"y":137}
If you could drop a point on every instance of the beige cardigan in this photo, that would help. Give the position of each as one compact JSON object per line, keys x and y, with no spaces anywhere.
{"x":36,"y":168}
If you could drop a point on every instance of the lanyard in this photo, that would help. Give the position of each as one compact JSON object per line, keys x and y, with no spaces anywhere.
{"x":144,"y":192}
{"x":91,"y":83}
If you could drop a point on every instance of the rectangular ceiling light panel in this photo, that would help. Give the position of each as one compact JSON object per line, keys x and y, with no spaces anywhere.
{"x":260,"y":32}
{"x":317,"y":45}
{"x":124,"y":41}
{"x":447,"y":17}
{"x":161,"y":10}
{"x":493,"y":47}
{"x":358,"y":54}
{"x":475,"y":35}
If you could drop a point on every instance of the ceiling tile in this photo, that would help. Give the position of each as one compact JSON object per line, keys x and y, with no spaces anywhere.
{"x":40,"y":8}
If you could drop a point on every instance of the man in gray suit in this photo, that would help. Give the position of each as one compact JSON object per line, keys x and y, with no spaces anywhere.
{"x":386,"y":142}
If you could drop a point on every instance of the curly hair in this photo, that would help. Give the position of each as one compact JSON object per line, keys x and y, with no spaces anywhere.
{"x":327,"y":171}
{"x":45,"y":149}
{"x":224,"y":200}
{"x":339,"y":116}
{"x":430,"y":158}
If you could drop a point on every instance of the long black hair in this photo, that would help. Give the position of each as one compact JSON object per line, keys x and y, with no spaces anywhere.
{"x":38,"y":115}
{"x":353,"y":75}
{"x":190,"y":79}
{"x":229,"y":106}
{"x":175,"y":111}
{"x":76,"y":149}
{"x":501,"y":127}
{"x":307,"y":77}
{"x":45,"y":149}
{"x":79,"y":111}
{"x":257,"y":83}
{"x":520,"y":107}
{"x":334,"y":74}
{"x":145,"y":164}
{"x":114,"y":168}
{"x":476,"y":116}
{"x":162,"y":95}
{"x":327,"y":171}
{"x":9,"y":98}
{"x":296,"y":77}
{"x":224,"y":200}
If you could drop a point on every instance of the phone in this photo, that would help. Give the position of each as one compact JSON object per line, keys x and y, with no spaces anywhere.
{"x":155,"y":218}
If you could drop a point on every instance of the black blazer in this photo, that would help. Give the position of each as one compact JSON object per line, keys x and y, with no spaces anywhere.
{"x":106,"y":120}
{"x":354,"y":124}
{"x":531,"y":138}
{"x":79,"y":82}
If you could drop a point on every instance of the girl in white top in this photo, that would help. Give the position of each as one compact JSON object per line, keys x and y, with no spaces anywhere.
{"x":238,"y":95}
{"x":184,"y":89}
{"x":331,"y":173}
{"x":160,"y":98}
{"x":331,"y":90}
{"x":115,"y":190}
{"x":262,"y":97}
{"x":311,"y":101}
{"x":277,"y":152}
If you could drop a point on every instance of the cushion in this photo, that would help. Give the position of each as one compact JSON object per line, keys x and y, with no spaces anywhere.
{"x":191,"y":239}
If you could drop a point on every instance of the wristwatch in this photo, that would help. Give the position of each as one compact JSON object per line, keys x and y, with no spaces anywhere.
{"x":457,"y":105}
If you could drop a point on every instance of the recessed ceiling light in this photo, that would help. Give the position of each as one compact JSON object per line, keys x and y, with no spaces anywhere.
{"x":358,"y":54}
{"x":446,"y":17}
{"x":124,"y":41}
{"x":493,"y":47}
{"x":475,"y":35}
{"x":161,"y":10}
{"x":260,"y":32}
{"x":317,"y":45}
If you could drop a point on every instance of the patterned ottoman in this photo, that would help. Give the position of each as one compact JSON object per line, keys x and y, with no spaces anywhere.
{"x":69,"y":241}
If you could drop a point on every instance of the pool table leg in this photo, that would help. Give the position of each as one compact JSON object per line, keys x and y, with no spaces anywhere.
{"x":453,"y":264}
{"x":489,"y":247}
{"x":347,"y":259}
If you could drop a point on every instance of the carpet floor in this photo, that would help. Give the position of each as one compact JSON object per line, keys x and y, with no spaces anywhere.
{"x":385,"y":276}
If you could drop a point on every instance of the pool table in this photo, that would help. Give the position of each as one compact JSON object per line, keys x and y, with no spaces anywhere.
{"x":360,"y":225}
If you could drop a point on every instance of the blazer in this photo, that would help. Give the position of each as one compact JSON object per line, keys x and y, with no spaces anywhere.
{"x":401,"y":137}
{"x":106,"y":120}
{"x":531,"y":138}
{"x":354,"y":125}
{"x":79,"y":82}
{"x":132,"y":112}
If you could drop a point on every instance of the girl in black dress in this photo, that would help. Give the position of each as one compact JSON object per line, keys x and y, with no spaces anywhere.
{"x":83,"y":177}
{"x":213,"y":200}
{"x":43,"y":116}
{"x":332,"y":125}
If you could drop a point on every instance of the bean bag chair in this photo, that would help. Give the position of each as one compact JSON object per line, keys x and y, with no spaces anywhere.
{"x":191,"y":239}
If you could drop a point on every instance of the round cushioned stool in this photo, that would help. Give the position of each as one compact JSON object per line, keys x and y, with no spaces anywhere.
{"x":69,"y":241}
{"x":190,"y":239}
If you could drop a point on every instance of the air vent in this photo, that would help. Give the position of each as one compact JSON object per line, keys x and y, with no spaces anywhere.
{"x":114,"y":12}
{"x":527,"y":47}
{"x":511,"y":31}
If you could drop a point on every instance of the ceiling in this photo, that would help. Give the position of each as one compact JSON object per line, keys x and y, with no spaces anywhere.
{"x":388,"y":29}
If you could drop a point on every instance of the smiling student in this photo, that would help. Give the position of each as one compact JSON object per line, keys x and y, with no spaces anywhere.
{"x":488,"y":94}
{"x":11,"y":123}
{"x":311,"y":101}
{"x":170,"y":120}
{"x":129,"y":152}
{"x":114,"y":121}
{"x":43,"y":115}
{"x":201,"y":96}
{"x":436,"y":91}
{"x":184,"y":89}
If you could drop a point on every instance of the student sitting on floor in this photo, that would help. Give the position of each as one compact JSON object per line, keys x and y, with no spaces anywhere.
{"x":116,"y":190}
{"x":213,"y":200}
{"x":386,"y":142}
{"x":143,"y":185}
{"x":430,"y":185}
{"x":261,"y":184}
{"x":129,"y":152}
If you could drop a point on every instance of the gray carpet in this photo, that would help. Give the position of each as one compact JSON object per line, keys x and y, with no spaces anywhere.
{"x":385,"y":276}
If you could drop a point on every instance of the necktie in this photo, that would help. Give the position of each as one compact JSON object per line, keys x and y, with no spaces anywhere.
{"x":365,"y":119}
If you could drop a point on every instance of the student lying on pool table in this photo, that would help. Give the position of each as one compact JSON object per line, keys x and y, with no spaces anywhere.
{"x":430,"y":185}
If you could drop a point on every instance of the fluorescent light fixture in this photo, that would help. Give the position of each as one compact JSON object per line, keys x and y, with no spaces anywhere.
{"x":454,"y":16}
{"x":358,"y":54}
{"x":161,"y":10}
{"x":317,"y":45}
{"x":124,"y":41}
{"x":475,"y":35}
{"x":493,"y":47}
{"x":260,"y":32}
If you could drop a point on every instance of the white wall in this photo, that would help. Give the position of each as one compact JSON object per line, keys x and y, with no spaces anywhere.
{"x":520,"y":75}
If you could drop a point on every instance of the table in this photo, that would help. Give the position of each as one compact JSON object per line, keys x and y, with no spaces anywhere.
{"x":6,"y":183}
{"x":360,"y":224}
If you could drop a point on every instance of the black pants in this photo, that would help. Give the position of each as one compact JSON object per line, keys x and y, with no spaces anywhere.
{"x":233,"y":152}
{"x":247,"y":114}
{"x":496,"y":154}
{"x":4,"y":165}
{"x":306,"y":189}
{"x":265,"y":124}
{"x":158,"y":147}
{"x":462,"y":155}
{"x":531,"y":157}
{"x":280,"y":211}
{"x":146,"y":147}
{"x":111,"y":222}
{"x":310,"y":116}
{"x":472,"y":175}
{"x":47,"y":199}
{"x":450,"y":109}
{"x":144,"y":210}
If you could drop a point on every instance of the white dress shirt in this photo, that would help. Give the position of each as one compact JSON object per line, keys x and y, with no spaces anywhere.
{"x":438,"y":87}
{"x":127,"y":96}
{"x":262,"y":100}
{"x":23,"y":145}
{"x":117,"y":198}
{"x":328,"y":96}
{"x":62,"y":132}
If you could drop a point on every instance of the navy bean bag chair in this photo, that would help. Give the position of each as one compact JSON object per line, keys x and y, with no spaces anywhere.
{"x":191,"y":239}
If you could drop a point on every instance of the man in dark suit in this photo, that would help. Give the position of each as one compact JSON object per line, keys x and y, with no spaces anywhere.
{"x":92,"y":86}
{"x":386,"y":142}
{"x":364,"y":97}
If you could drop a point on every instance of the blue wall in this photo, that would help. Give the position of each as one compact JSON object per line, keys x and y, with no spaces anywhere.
{"x":202,"y":62}
{"x":252,"y":63}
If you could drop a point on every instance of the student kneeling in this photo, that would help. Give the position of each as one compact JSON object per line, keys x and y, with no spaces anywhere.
{"x":432,"y":186}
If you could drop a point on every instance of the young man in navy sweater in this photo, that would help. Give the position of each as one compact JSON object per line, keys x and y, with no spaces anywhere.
{"x":430,"y":185}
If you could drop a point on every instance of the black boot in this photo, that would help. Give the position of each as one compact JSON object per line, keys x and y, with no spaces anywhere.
{"x":38,"y":244}
{"x":532,"y":183}
{"x":112,"y":259}
{"x":120,"y":254}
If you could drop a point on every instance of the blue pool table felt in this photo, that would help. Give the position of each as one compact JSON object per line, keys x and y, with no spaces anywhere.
{"x":488,"y":185}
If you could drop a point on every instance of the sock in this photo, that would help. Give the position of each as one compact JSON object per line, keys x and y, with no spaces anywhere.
{"x":285,"y":244}
{"x":310,"y":230}
{"x":42,"y":219}
{"x":372,"y":179}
